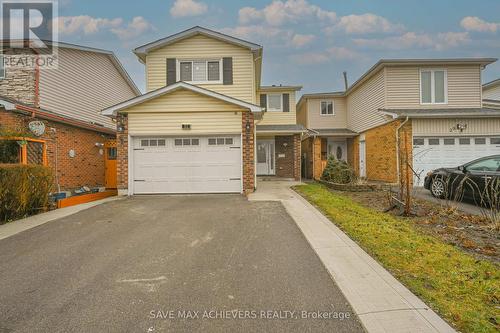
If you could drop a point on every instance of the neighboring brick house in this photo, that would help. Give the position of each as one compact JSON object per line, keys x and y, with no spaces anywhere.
{"x":426,"y":113}
{"x":202,"y":126}
{"x":67,"y":101}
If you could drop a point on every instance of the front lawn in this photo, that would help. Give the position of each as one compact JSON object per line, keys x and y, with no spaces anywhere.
{"x":462,"y":289}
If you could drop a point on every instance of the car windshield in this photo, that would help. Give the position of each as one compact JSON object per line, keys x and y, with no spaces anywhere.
{"x":489,"y":164}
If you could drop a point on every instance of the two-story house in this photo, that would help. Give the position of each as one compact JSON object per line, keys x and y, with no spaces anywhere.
{"x":204,"y":119}
{"x":491,"y":94}
{"x":431,"y":109}
{"x":51,"y":116}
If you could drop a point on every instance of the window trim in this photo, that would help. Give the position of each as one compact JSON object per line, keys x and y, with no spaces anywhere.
{"x":23,"y":151}
{"x":281,"y":102}
{"x":433,"y":90}
{"x":192,"y":61}
{"x":327,"y":114}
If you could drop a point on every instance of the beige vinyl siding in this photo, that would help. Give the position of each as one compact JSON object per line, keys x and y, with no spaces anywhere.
{"x":302,"y":114}
{"x":171,"y":123}
{"x":83,"y":85}
{"x":316,"y":120}
{"x":202,"y":47}
{"x":363,"y":104}
{"x":184,"y":101}
{"x":441,"y":127}
{"x":280,"y":118}
{"x":492,"y":93}
{"x":403,"y":87}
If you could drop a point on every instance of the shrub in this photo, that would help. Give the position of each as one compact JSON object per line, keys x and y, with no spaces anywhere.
{"x":24,"y":190}
{"x":338,"y":172}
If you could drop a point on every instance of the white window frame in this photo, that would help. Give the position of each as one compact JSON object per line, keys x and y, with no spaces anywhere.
{"x":281,"y":103}
{"x":433,"y":90}
{"x":192,"y":61}
{"x":327,"y":114}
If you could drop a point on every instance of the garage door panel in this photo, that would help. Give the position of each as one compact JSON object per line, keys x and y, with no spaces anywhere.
{"x":202,"y":168}
{"x":427,"y":156}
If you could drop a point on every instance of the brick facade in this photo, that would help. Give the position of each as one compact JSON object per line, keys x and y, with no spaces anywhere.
{"x":381,"y":152}
{"x":248,"y":147}
{"x":287,"y":156}
{"x":122,"y":152}
{"x":86,"y":168}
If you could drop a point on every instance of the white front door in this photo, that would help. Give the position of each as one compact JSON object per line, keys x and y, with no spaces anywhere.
{"x":362,"y":159}
{"x":187,"y":164}
{"x":265,"y":157}
{"x":431,"y":153}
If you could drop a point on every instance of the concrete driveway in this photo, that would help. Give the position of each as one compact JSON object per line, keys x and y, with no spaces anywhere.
{"x":132,"y":265}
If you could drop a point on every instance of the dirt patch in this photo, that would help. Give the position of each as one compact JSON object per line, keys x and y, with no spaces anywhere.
{"x":471,"y":233}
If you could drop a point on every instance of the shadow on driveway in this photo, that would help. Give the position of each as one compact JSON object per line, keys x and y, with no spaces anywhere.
{"x":132,"y":265}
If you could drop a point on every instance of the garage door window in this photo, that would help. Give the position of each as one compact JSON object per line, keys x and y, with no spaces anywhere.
{"x":186,"y":142}
{"x":464,"y":141}
{"x":480,"y":141}
{"x":153,"y":143}
{"x":418,"y":142}
{"x":433,"y":142}
{"x":495,"y":141}
{"x":220,"y":141}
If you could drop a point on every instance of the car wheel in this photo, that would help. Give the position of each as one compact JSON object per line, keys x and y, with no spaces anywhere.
{"x":438,"y":188}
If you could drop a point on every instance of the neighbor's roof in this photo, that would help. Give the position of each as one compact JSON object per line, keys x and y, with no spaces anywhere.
{"x":142,"y":51}
{"x":441,"y":113}
{"x":110,"y":54}
{"x":279,"y":88}
{"x":111,"y":111}
{"x":13,"y":105}
{"x":296,"y":128}
{"x":321,"y":95}
{"x":491,"y":84}
{"x":332,"y":132}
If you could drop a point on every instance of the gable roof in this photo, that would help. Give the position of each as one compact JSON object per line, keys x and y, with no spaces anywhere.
{"x":491,"y":84}
{"x":402,"y":62}
{"x":111,"y":111}
{"x":143,"y":50}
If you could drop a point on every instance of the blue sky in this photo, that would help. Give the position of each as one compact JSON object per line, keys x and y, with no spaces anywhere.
{"x":307,"y":43}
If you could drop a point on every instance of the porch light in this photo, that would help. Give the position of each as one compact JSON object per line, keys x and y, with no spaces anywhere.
{"x":247,"y":126}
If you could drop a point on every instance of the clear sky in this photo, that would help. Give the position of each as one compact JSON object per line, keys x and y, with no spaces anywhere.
{"x":308,"y":43}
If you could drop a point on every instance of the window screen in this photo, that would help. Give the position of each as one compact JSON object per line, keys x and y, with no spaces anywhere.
{"x":274,"y":102}
{"x":200,"y":71}
{"x":186,"y":69}
{"x":213,"y":71}
{"x":438,"y":87}
{"x":425,"y":82}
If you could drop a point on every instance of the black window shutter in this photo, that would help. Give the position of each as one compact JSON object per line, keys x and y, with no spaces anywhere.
{"x":171,"y":71}
{"x":263,"y":100}
{"x":286,"y":102}
{"x":227,"y":70}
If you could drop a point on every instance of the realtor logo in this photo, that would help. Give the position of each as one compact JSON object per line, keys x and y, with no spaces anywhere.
{"x":29,"y":33}
{"x":29,"y":23}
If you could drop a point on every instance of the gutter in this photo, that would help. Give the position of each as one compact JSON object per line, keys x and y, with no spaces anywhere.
{"x":398,"y":171}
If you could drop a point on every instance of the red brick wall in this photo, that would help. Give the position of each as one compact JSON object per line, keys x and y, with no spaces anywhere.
{"x":248,"y":152}
{"x":85,"y":169}
{"x":289,"y":165}
{"x":122,"y":152}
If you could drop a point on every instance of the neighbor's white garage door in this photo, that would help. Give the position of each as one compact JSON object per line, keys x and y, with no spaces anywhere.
{"x":431,"y":153}
{"x":187,"y":165}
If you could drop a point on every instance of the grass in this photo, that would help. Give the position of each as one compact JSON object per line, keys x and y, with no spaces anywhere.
{"x":463,"y":290}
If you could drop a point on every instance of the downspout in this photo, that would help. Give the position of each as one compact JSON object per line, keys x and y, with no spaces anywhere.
{"x":398,"y":171}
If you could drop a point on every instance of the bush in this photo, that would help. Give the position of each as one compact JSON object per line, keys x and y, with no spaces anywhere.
{"x":24,"y":190}
{"x":338,"y":172}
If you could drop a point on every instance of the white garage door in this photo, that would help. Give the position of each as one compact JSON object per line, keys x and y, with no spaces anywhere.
{"x":431,"y":153}
{"x":187,"y":165}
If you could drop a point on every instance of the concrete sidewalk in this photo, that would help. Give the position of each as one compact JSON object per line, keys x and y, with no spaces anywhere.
{"x":381,"y":302}
{"x":27,"y":223}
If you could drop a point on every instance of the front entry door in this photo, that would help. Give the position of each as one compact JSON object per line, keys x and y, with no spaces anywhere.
{"x":265,"y":157}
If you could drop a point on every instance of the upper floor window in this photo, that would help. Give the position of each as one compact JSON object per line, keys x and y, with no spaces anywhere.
{"x":274,"y":102}
{"x":200,"y":71}
{"x":326,"y":108}
{"x":433,"y":86}
{"x":2,"y":67}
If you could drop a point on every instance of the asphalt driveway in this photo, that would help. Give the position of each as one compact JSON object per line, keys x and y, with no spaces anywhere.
{"x":169,"y":263}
